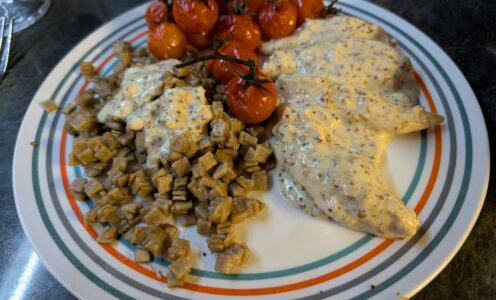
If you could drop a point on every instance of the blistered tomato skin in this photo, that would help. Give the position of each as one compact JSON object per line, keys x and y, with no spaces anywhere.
{"x":156,"y":14}
{"x":166,"y":41}
{"x":241,"y":30}
{"x":308,"y":9}
{"x":195,"y":16}
{"x":252,"y":104}
{"x":278,"y":19}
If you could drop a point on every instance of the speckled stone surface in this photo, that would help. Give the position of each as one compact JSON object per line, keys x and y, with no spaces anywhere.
{"x":466,"y":30}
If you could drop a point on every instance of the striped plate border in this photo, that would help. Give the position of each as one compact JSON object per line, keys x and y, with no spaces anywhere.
{"x":455,"y":139}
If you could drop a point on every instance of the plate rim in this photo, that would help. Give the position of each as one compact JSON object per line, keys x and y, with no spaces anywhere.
{"x":453,"y":66}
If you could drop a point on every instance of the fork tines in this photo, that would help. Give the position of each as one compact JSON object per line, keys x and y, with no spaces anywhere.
{"x":6,"y":29}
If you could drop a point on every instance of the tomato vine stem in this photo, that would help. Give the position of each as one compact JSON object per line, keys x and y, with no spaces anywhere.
{"x":330,"y":9}
{"x":251,"y":79}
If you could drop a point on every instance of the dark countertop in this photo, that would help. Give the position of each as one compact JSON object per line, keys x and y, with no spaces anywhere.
{"x":466,"y":30}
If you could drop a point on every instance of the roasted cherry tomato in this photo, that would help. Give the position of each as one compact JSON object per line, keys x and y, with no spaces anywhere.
{"x":240,"y":30}
{"x":202,"y":40}
{"x":156,"y":14}
{"x":226,"y":21}
{"x":308,"y":9}
{"x":195,"y":16}
{"x":252,"y":104}
{"x":166,"y":41}
{"x":223,"y":71}
{"x":277,"y":19}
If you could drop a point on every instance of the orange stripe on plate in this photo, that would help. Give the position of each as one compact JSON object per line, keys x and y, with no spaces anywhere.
{"x":275,"y":289}
{"x":437,"y":151}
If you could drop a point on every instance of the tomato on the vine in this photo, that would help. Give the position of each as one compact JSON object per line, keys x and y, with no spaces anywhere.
{"x":252,"y":103}
{"x":277,"y":18}
{"x":308,"y":9}
{"x":195,"y":16}
{"x":223,"y":71}
{"x":166,"y":41}
{"x":156,"y":13}
{"x":240,"y":30}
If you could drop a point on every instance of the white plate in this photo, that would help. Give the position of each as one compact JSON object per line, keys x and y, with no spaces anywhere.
{"x":442,"y":173}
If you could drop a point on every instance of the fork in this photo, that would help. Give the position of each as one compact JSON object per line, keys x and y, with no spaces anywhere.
{"x":6,"y":29}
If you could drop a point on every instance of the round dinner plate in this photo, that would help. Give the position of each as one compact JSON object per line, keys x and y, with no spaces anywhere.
{"x":442,"y":173}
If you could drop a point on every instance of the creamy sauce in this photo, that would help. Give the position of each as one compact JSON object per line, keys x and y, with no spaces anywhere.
{"x":179,"y":111}
{"x":366,"y":63}
{"x":295,"y":195}
{"x":342,"y":103}
{"x":176,"y":111}
{"x":140,"y":85}
{"x":320,"y":30}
